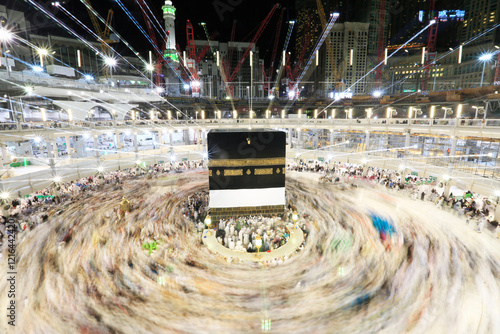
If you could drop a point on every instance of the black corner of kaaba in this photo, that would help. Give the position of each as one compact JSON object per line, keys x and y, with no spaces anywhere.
{"x":246,"y":160}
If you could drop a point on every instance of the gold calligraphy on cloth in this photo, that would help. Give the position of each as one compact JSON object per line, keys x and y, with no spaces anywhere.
{"x":233,"y":172}
{"x":246,"y":162}
{"x":263,"y":171}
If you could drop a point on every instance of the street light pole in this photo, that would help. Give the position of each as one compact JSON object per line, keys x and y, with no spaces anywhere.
{"x":5,"y":36}
{"x":482,"y":75}
{"x":484,"y":58}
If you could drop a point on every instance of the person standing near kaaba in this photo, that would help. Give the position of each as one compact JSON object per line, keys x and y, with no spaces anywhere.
{"x":124,"y":207}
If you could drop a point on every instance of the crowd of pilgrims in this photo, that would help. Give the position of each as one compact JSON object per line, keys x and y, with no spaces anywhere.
{"x":240,"y":234}
{"x":37,"y":208}
{"x":474,"y":208}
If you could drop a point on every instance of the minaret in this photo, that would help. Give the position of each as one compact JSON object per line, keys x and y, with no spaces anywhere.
{"x":169,"y":17}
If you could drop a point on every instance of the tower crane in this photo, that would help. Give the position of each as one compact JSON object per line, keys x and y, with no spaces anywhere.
{"x":275,"y":48}
{"x":225,"y":68}
{"x":430,"y":55}
{"x":337,"y":72}
{"x":193,"y":60}
{"x":103,"y":34}
{"x":294,"y":91}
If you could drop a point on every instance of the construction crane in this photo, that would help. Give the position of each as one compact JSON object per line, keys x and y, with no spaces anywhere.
{"x":103,"y":34}
{"x":226,"y":71}
{"x":266,"y":77}
{"x":326,"y":31}
{"x":231,"y":48}
{"x":380,"y":51}
{"x":191,"y":48}
{"x":160,"y":60}
{"x":193,"y":60}
{"x":292,"y":74}
{"x":275,"y":47}
{"x":284,"y":63}
{"x":337,"y":72}
{"x":430,"y":54}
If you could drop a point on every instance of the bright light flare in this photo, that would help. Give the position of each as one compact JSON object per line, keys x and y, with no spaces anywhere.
{"x":5,"y":35}
{"x":110,"y":61}
{"x":486,"y":57}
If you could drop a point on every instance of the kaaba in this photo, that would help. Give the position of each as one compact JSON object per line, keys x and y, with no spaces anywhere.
{"x":246,"y":173}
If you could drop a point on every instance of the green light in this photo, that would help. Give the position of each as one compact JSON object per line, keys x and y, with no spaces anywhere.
{"x":266,"y":325}
{"x":25,"y":162}
{"x":168,"y":10}
{"x":173,"y":56}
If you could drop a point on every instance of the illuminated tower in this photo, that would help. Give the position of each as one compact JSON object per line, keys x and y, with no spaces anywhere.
{"x":169,"y":17}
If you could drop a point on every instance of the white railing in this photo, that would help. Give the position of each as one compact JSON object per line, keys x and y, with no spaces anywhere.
{"x":48,"y":81}
{"x":272,"y":123}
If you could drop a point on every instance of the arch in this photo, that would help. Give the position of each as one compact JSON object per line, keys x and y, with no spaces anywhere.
{"x":52,"y":113}
{"x":98,"y":113}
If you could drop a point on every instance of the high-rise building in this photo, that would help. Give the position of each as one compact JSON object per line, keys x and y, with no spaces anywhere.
{"x":169,"y":17}
{"x":350,"y":48}
{"x":308,"y":26}
{"x":480,"y":15}
{"x":372,"y":15}
{"x":210,"y":74}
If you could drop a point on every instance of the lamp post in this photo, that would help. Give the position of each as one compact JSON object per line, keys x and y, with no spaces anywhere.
{"x":295,"y":218}
{"x":248,"y":94}
{"x":110,"y":62}
{"x":41,"y":53}
{"x":479,"y":110}
{"x":5,"y":36}
{"x":485,"y":58}
{"x":447,"y":111}
{"x":369,"y":113}
{"x":258,"y":243}
{"x":208,"y":222}
{"x":150,"y":68}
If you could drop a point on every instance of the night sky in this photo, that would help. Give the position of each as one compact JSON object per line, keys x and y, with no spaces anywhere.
{"x":218,"y":14}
